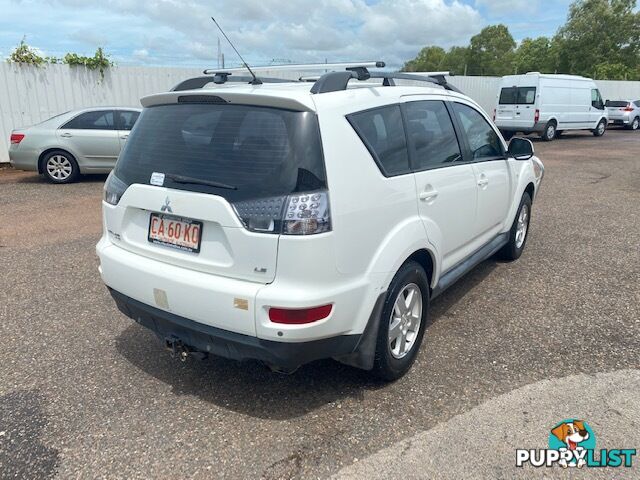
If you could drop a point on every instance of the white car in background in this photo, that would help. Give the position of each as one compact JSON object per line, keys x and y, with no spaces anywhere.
{"x":624,"y":112}
{"x":73,"y":143}
{"x":549,"y":105}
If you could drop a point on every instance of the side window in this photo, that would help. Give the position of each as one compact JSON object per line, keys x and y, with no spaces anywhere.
{"x":432,"y":135}
{"x":596,"y":99}
{"x":637,"y":103}
{"x":526,"y":95}
{"x":483,"y":140}
{"x":127,"y":119}
{"x":382,"y":132}
{"x":98,"y":120}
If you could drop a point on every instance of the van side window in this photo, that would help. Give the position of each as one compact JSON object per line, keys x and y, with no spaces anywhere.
{"x":382,"y":131}
{"x":483,"y":140}
{"x":432,"y":135}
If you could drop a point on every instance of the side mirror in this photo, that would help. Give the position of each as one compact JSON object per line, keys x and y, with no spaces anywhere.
{"x":520,"y":148}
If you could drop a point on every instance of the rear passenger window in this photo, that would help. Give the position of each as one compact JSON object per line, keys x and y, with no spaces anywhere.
{"x":508,"y":96}
{"x":98,"y":120}
{"x":432,"y":135}
{"x":483,"y":140}
{"x":382,"y":132}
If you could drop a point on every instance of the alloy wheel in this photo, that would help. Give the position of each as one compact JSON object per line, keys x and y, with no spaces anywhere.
{"x":406,"y":318}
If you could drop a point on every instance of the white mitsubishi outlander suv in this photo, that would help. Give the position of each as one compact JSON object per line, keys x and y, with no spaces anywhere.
{"x":292,"y":221}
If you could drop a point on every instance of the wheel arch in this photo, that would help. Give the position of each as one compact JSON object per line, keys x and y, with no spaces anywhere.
{"x":48,"y":151}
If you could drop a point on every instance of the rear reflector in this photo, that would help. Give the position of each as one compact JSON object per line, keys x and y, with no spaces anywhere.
{"x":299,"y":316}
{"x":16,"y":138}
{"x":536,"y":116}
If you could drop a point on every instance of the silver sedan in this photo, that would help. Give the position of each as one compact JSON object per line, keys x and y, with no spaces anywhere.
{"x":74,"y":143}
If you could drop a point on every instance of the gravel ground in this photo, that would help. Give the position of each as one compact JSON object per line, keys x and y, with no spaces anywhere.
{"x":85,"y":392}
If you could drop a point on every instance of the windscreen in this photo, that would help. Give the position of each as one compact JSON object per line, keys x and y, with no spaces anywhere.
{"x":616,"y":104}
{"x":258,"y":151}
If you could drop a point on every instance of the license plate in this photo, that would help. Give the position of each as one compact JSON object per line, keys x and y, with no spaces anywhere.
{"x":176,"y":232}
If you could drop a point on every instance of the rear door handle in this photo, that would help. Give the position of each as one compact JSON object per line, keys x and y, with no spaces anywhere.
{"x":428,"y":195}
{"x":66,"y":135}
{"x":483,"y":181}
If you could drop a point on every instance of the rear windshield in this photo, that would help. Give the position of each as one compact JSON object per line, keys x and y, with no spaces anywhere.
{"x":261,"y":151}
{"x":616,"y":103}
{"x":518,"y":96}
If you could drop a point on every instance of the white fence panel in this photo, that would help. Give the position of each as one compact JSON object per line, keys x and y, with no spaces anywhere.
{"x":30,"y":95}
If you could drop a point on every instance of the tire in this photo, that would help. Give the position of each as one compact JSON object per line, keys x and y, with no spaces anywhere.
{"x":549,"y":132}
{"x":518,"y":239}
{"x":600,"y":129}
{"x":635,"y":124}
{"x":395,"y":356}
{"x":59,"y":166}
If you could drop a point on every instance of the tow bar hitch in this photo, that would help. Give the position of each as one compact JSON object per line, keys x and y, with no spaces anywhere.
{"x":179,"y":350}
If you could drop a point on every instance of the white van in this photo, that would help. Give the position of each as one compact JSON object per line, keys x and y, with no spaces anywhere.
{"x":549,"y":105}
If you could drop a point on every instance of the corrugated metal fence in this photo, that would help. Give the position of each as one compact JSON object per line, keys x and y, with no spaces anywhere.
{"x":30,"y":95}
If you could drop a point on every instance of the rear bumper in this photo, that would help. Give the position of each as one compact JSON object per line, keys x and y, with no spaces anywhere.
{"x":236,"y":346}
{"x":23,"y":159}
{"x":537,"y":128}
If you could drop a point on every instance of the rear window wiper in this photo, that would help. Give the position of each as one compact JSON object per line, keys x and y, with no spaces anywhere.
{"x":198,"y":181}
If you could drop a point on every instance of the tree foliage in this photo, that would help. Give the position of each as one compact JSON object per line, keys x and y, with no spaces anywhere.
{"x":25,"y":54}
{"x":600,"y":39}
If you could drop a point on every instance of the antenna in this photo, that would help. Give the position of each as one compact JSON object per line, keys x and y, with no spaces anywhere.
{"x":256,"y":80}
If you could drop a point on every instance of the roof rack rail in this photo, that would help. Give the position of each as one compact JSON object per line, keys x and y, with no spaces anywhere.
{"x":307,"y":67}
{"x":220,"y":78}
{"x":337,"y":81}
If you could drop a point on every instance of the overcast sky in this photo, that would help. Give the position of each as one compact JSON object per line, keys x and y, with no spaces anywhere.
{"x":180,"y":33}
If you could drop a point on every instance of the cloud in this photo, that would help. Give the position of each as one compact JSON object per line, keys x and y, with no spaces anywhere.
{"x":298,"y":30}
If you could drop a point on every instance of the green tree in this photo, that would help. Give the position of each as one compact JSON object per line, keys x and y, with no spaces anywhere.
{"x":456,"y":60}
{"x":428,"y":60}
{"x":491,"y":51}
{"x":599,"y":37}
{"x":535,"y":55}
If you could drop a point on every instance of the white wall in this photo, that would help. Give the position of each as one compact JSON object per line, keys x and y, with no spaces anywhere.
{"x":29,"y":95}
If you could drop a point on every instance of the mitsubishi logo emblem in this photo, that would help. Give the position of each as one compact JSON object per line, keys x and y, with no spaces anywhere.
{"x":167,"y":206}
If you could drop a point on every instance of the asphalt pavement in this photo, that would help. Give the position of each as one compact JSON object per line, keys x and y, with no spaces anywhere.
{"x":85,"y":392}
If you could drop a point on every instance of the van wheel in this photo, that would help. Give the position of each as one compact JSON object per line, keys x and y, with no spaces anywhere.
{"x":59,"y":166}
{"x":518,"y":233}
{"x":600,"y":129}
{"x":549,"y":132}
{"x":635,"y":124}
{"x":404,"y":319}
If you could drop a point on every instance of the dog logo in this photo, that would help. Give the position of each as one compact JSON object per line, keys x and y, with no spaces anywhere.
{"x":572,"y":443}
{"x":574,"y":436}
{"x":167,"y":206}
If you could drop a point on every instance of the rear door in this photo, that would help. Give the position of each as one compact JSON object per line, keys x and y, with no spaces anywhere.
{"x":516,"y":107}
{"x":484,"y":148}
{"x":526,"y":106}
{"x":446,"y":186}
{"x":223,"y":172}
{"x":125,"y":120}
{"x":92,"y":137}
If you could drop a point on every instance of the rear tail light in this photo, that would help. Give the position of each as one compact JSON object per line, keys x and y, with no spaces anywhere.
{"x":299,"y":316}
{"x":296,"y":214}
{"x":627,"y":109}
{"x":16,"y":138}
{"x":494,"y":115}
{"x":536,"y":117}
{"x":114,"y":188}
